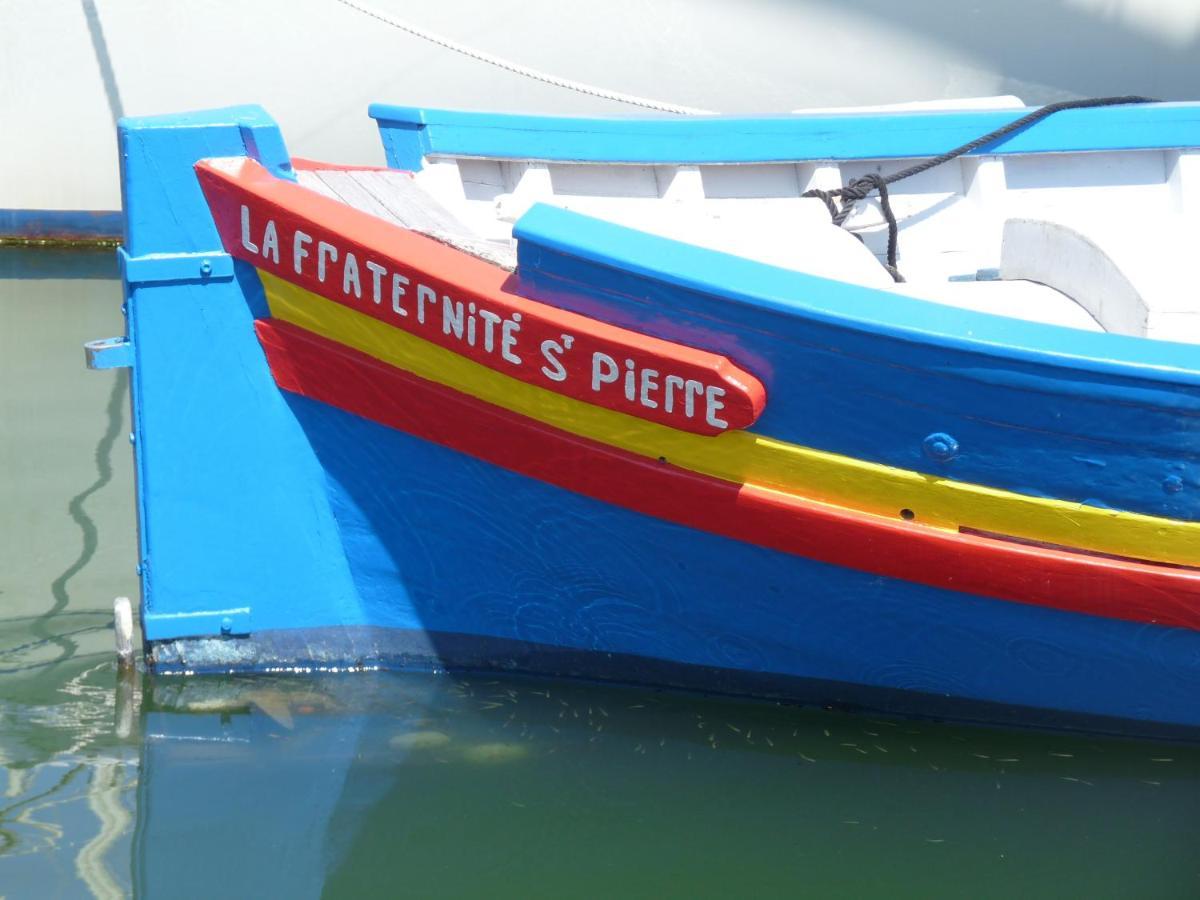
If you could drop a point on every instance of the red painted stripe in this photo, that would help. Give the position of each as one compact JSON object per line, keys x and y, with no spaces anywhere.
{"x":443,"y":295}
{"x":331,"y":373}
{"x":304,"y":164}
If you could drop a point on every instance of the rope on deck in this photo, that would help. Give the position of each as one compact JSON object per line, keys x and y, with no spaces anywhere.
{"x":859,"y":188}
{"x":517,"y":69}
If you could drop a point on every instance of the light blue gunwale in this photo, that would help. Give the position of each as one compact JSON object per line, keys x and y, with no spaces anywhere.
{"x":410,"y":134}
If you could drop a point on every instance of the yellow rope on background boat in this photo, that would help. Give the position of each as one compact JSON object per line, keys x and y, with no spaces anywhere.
{"x":747,"y":458}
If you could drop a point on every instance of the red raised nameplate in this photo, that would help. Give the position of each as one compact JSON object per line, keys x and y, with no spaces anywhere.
{"x":452,"y":299}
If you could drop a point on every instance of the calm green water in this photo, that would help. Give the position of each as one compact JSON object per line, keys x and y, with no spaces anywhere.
{"x":382,"y":785}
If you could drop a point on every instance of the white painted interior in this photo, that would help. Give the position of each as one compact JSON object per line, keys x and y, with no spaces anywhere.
{"x":1129,"y":275}
{"x":1096,"y":241}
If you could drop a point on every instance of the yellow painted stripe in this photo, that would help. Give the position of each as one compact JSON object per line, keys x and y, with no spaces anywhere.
{"x":744,"y":457}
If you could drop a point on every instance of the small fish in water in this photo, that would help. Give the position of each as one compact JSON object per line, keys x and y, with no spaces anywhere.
{"x":493,"y":753}
{"x":214,"y":704}
{"x":419,"y":740}
{"x":275,"y":704}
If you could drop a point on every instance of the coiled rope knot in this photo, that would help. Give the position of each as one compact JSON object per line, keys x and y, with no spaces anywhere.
{"x":859,"y":188}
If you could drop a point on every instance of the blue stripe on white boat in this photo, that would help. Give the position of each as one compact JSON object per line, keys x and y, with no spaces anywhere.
{"x":68,"y":224}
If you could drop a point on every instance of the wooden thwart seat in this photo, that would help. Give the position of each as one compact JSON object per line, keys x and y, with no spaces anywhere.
{"x":1134,"y":277}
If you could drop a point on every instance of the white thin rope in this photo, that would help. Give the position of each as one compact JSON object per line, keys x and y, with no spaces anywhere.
{"x":516,"y":69}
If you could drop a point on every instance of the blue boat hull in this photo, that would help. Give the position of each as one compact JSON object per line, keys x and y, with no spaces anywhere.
{"x":279,"y":531}
{"x":463,"y":565}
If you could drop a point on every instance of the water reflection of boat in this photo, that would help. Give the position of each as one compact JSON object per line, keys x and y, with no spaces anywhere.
{"x":340,"y":786}
{"x":446,"y":784}
{"x":68,"y":760}
{"x":373,"y":428}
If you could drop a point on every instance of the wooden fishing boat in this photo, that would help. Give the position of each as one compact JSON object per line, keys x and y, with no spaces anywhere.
{"x":617,"y":398}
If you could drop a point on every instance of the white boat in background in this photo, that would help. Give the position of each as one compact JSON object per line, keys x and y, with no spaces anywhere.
{"x":71,"y":69}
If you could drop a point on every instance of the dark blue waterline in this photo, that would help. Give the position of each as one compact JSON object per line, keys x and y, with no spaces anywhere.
{"x":62,"y":224}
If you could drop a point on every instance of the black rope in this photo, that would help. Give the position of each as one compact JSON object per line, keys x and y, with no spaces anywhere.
{"x":860,"y":188}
